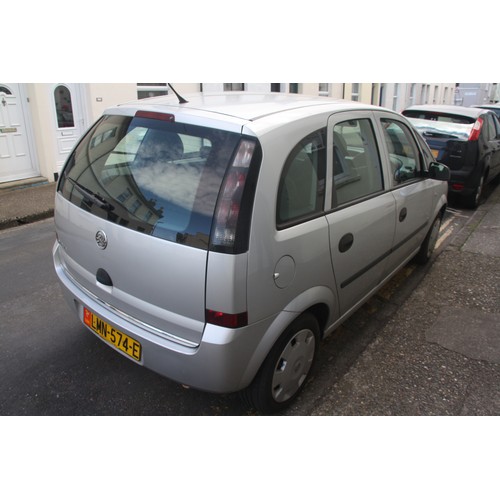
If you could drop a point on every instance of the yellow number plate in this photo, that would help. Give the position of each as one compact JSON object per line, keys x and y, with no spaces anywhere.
{"x":119,"y":339}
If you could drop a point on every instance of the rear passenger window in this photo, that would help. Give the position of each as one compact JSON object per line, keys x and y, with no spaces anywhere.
{"x":490,"y":125}
{"x":403,"y":152}
{"x":301,"y":191}
{"x":356,"y":163}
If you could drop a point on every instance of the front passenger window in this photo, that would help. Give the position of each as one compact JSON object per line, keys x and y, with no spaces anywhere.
{"x":356,"y":166}
{"x":403,"y":152}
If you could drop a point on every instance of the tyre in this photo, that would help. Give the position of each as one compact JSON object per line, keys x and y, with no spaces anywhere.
{"x":286,"y":368}
{"x":473,"y":200}
{"x":427,"y":247}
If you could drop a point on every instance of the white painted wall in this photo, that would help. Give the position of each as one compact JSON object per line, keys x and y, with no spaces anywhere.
{"x":97,"y":97}
{"x":103,"y":95}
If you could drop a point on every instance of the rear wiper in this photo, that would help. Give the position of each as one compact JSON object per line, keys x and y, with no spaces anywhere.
{"x":95,"y":198}
{"x":442,"y":135}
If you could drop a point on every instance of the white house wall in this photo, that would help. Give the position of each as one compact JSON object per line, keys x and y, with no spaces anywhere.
{"x":103,"y":95}
{"x":96,"y":97}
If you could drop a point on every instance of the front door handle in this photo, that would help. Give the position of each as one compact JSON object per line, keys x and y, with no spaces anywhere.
{"x":346,"y":242}
{"x":402,"y":214}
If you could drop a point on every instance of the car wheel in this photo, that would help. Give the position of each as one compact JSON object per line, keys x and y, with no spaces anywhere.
{"x":474,"y":199}
{"x":286,"y":368}
{"x":428,"y":245}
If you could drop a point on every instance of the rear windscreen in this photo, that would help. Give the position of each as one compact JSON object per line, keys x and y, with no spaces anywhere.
{"x":442,"y":129}
{"x":438,"y":116}
{"x":157,"y":177}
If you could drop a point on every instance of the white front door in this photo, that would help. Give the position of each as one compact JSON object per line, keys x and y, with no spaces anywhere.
{"x":15,"y":158}
{"x":69,"y":119}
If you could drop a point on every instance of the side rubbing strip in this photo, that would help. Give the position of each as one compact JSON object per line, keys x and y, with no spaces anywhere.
{"x":379,"y":259}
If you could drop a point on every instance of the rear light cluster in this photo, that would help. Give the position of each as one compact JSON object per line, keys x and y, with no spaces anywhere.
{"x":231,"y":219}
{"x":476,"y":130}
{"x":228,"y":207}
{"x":226,"y":320}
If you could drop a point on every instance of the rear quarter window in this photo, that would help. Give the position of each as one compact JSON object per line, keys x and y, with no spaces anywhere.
{"x":301,"y":191}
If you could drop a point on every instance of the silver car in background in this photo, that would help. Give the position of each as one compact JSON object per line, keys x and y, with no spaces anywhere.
{"x":216,"y":241}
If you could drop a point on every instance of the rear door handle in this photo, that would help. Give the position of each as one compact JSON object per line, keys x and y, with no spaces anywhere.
{"x":402,"y":214}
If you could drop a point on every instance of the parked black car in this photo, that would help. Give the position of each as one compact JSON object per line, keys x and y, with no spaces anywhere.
{"x":492,"y":107}
{"x":467,"y":140}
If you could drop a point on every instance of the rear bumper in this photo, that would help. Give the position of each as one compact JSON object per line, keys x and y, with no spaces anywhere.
{"x":225,"y":360}
{"x":463,"y":182}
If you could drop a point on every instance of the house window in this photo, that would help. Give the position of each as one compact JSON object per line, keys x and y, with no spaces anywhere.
{"x":381,"y":101}
{"x":425,"y":94}
{"x":234,"y":86}
{"x":324,"y":89}
{"x":412,"y":94}
{"x":275,"y":87}
{"x":293,"y":88}
{"x":355,"y":92}
{"x":64,"y":107}
{"x":145,"y":90}
{"x":395,"y":97}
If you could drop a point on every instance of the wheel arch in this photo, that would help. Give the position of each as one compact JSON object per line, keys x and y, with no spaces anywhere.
{"x":318,"y":301}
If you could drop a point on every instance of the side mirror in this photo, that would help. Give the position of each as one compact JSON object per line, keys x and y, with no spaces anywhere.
{"x":439,"y":171}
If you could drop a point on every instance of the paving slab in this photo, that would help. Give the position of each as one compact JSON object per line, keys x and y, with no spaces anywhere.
{"x":468,"y":331}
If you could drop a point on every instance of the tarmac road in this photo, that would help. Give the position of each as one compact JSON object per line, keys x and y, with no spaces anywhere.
{"x":426,"y":344}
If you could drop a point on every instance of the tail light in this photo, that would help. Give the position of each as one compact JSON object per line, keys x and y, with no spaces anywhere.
{"x":228,"y":210}
{"x":225,"y":320}
{"x":476,"y":130}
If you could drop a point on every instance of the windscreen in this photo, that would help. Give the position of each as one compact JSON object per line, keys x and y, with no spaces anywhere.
{"x":153,"y":176}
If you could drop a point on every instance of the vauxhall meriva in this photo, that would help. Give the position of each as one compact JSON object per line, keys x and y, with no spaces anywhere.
{"x":216,"y":241}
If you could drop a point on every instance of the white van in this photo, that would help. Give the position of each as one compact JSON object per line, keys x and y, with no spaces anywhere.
{"x":216,"y":241}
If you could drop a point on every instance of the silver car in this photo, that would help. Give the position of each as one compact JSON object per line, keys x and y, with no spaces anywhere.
{"x":216,"y":241}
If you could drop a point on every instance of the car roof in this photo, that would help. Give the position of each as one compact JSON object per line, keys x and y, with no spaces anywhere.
{"x":246,"y":106}
{"x":487,"y":106}
{"x":449,"y":109}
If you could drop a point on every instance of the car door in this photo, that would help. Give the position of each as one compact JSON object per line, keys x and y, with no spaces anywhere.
{"x":361,"y":219}
{"x":412,"y":191}
{"x":493,"y":132}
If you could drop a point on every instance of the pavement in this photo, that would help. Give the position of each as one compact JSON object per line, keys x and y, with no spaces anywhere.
{"x":439,"y":351}
{"x":24,"y":202}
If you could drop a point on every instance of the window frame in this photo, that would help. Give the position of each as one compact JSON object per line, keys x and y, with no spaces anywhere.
{"x":346,"y":176}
